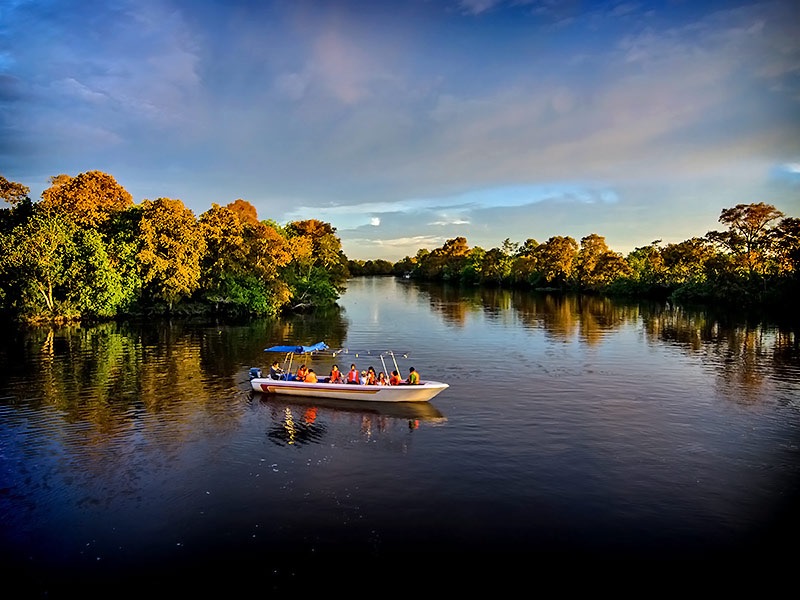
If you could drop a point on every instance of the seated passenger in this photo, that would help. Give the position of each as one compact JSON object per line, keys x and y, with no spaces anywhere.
{"x":275,"y":371}
{"x":413,"y":377}
{"x":336,"y":375}
{"x":382,"y":379}
{"x":301,"y":373}
{"x":352,"y":375}
{"x":395,"y":378}
{"x":372,"y":379}
{"x":311,"y":377}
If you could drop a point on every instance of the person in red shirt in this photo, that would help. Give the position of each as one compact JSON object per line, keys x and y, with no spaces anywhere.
{"x":352,"y":375}
{"x":336,"y":375}
{"x":301,"y":373}
{"x":395,"y":378}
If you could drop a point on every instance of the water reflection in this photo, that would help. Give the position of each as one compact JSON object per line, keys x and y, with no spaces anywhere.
{"x":107,"y":374}
{"x":607,"y":425}
{"x":99,"y":373}
{"x":744,"y":352}
{"x":299,"y":421}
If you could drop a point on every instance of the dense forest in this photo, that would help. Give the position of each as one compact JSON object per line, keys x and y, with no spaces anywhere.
{"x":86,"y":251}
{"x":752,"y":261}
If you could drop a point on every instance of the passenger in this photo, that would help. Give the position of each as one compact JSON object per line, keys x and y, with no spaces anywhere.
{"x":336,"y":375}
{"x":352,"y":375}
{"x":301,"y":373}
{"x":395,"y":378}
{"x":372,"y":379}
{"x":413,"y":377}
{"x":363,"y":379}
{"x":311,"y":377}
{"x":275,"y":371}
{"x":382,"y":379}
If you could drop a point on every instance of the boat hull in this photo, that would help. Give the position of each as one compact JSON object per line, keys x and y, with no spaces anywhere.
{"x":342,"y":391}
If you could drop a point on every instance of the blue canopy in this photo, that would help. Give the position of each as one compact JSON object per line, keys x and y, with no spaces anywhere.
{"x":298,"y":349}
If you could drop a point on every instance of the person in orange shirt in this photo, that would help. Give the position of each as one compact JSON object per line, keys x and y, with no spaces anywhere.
{"x":301,"y":373}
{"x":311,"y":377}
{"x":372,"y":379}
{"x":352,"y":375}
{"x":395,"y":378}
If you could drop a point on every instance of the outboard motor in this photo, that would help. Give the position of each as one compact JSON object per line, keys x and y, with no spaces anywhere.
{"x":255,"y":373}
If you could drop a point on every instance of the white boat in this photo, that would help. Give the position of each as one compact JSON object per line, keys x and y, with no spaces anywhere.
{"x":286,"y":384}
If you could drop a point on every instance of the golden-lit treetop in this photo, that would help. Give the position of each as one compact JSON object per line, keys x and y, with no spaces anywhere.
{"x":88,"y":199}
{"x":172,"y":245}
{"x":245,"y":211}
{"x":11,"y":191}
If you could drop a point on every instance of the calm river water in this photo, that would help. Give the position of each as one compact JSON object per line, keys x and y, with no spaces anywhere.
{"x":573,"y":429}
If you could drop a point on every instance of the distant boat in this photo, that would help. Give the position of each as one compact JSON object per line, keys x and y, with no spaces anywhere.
{"x":286,"y":384}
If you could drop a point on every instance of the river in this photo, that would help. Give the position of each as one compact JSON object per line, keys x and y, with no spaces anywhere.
{"x":574,"y":429}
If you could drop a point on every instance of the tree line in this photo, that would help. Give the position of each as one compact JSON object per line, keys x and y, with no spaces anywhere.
{"x":754,"y":260}
{"x":86,"y":251}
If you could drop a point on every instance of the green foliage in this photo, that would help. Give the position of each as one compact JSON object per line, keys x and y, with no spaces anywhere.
{"x":358,"y":268}
{"x":96,"y":287}
{"x":313,"y":290}
{"x":86,"y":250}
{"x":37,"y":258}
{"x":239,"y":295}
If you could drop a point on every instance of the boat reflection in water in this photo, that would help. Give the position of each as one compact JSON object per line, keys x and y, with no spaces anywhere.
{"x":300,"y":420}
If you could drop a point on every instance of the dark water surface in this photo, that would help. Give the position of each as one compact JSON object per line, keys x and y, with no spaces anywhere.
{"x":574,"y":429}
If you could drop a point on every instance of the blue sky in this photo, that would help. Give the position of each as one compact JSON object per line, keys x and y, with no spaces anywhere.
{"x":408,"y":123}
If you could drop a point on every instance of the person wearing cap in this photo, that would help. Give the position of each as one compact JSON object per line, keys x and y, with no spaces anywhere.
{"x":363,"y":379}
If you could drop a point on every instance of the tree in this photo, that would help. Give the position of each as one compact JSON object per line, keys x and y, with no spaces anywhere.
{"x":556,"y":260}
{"x":90,"y":199}
{"x":446,"y":262}
{"x":497,"y":262}
{"x":592,"y":248}
{"x":325,"y":246}
{"x":172,"y":246}
{"x":240,"y":269}
{"x":13,"y":192}
{"x":685,"y":262}
{"x":318,"y":268}
{"x":749,"y":237}
{"x":245,"y":211}
{"x":225,"y":253}
{"x":787,"y":245}
{"x":95,"y":287}
{"x":35,"y":262}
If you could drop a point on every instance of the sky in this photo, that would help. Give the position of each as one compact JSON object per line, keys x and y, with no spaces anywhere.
{"x":405,"y":124}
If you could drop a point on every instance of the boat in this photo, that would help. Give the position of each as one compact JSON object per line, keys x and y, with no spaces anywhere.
{"x":286,"y":384}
